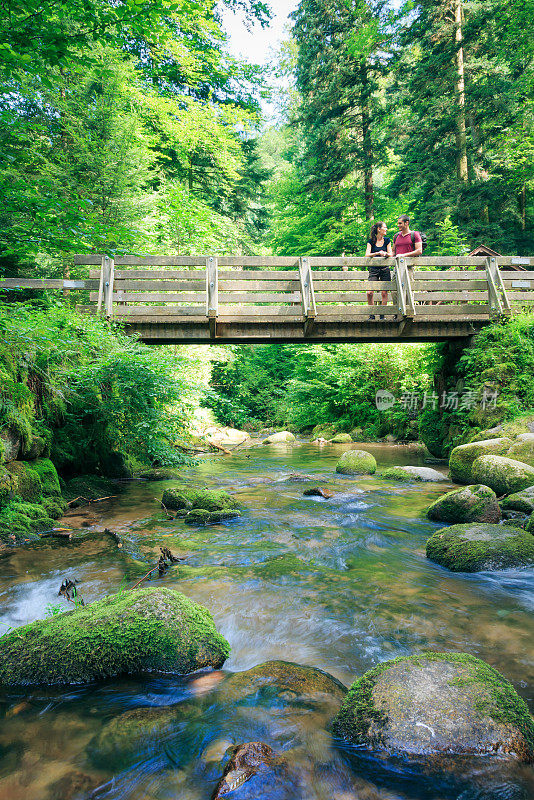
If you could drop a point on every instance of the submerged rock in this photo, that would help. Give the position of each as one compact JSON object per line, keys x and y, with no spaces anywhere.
{"x":426,"y":474}
{"x":256,"y":771}
{"x":132,"y":735}
{"x":129,"y":632}
{"x":462,"y":457}
{"x":356,"y":462}
{"x":283,"y":437}
{"x":471,"y":504}
{"x":503,"y":475}
{"x":201,"y":516}
{"x":475,"y":547}
{"x":435,"y":704}
{"x":318,"y":491}
{"x":520,"y":501}
{"x":196,"y":498}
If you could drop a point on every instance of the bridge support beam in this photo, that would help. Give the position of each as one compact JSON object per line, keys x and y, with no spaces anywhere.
{"x":498,"y":298}
{"x":308,"y":295}
{"x":405,"y":297}
{"x":212,"y":294}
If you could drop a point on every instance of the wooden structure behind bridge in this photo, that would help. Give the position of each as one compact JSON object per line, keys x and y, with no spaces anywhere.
{"x":245,"y":299}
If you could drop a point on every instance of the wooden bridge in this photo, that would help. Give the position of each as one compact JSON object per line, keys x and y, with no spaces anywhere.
{"x":208,"y":299}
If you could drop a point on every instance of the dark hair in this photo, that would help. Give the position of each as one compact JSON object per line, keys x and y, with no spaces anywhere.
{"x":404,"y":218}
{"x":374,"y":231}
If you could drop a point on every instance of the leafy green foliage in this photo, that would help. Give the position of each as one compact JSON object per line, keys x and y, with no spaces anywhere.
{"x":96,"y":390}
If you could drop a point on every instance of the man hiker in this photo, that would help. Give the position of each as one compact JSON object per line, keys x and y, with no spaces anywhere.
{"x":407,"y":242}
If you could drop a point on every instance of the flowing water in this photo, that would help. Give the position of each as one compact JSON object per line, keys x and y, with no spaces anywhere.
{"x":339,"y":584}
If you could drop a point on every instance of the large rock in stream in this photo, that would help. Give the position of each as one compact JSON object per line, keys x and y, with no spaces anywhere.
{"x":191,"y":497}
{"x":462,"y":457}
{"x":520,"y":501}
{"x":129,"y":632}
{"x":474,"y":547}
{"x":356,"y":462}
{"x":408,"y":473}
{"x":470,"y":504}
{"x":503,"y":475}
{"x":435,"y":704}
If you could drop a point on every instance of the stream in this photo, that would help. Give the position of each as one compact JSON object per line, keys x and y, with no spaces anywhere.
{"x":339,"y":584}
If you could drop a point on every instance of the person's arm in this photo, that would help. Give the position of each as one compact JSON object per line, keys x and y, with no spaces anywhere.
{"x":418,"y":247}
{"x":368,"y":253}
{"x":390,"y":251}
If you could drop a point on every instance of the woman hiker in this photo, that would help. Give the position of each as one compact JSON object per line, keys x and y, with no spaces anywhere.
{"x":378,"y":245}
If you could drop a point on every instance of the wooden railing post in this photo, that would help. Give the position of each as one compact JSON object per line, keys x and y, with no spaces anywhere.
{"x":499,"y":302}
{"x":309,"y":309}
{"x":105,"y":289}
{"x":405,"y":297}
{"x":212,"y":294}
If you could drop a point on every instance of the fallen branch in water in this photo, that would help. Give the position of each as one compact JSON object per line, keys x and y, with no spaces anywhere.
{"x":164,"y":507}
{"x":162,"y":566}
{"x":89,"y":500}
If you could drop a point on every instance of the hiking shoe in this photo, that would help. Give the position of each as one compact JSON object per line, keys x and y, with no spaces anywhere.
{"x":372,"y":318}
{"x":381,"y":316}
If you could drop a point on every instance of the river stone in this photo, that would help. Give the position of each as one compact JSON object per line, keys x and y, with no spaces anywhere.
{"x":356,"y":462}
{"x":520,"y":501}
{"x":463,"y":456}
{"x":522,"y":451}
{"x":526,"y":437}
{"x":474,"y":547}
{"x":341,"y":438}
{"x":324,"y":430}
{"x":193,"y":497}
{"x":283,"y":437}
{"x":503,"y":475}
{"x":435,"y":704}
{"x":256,"y":771}
{"x":130,"y":736}
{"x":425,"y":474}
{"x":291,"y":682}
{"x":128,"y":632}
{"x":470,"y":504}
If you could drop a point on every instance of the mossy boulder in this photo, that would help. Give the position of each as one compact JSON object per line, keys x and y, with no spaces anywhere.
{"x":160,"y":474}
{"x":520,"y":501}
{"x":129,"y":632}
{"x":530,"y":525}
{"x":512,"y":429}
{"x":503,"y":475}
{"x":20,"y":520}
{"x":48,"y":475}
{"x":10,"y":444}
{"x":198,"y":516}
{"x":8,"y":485}
{"x":282,"y":437}
{"x":473,"y":547}
{"x":470,"y":504}
{"x":356,"y":462}
{"x":325,"y":430}
{"x":37,"y":447}
{"x":341,"y":438}
{"x":522,"y":451}
{"x":55,"y":507}
{"x":462,"y":457}
{"x":425,"y":474}
{"x":434,"y":704}
{"x":29,"y":486}
{"x":189,"y":497}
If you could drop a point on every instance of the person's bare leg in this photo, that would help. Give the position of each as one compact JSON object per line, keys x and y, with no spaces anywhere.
{"x":384,"y":302}
{"x":370,"y":302}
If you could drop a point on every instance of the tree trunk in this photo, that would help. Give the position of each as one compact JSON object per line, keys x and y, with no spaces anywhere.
{"x":461,"y":137}
{"x":367,"y":144}
{"x":523,"y":207}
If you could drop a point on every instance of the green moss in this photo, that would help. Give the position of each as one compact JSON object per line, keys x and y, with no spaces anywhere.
{"x":498,"y":699}
{"x":396,"y":474}
{"x":282,"y":566}
{"x":55,"y":506}
{"x":23,"y":520}
{"x":341,"y":438}
{"x":433,"y":432}
{"x":356,"y":462}
{"x":160,"y":474}
{"x":197,"y":516}
{"x":48,"y":475}
{"x":522,"y":451}
{"x":129,"y":632}
{"x":520,"y":501}
{"x":216,"y":517}
{"x":29,"y":486}
{"x":511,"y":429}
{"x":474,"y":547}
{"x":8,"y":485}
{"x":194,"y":497}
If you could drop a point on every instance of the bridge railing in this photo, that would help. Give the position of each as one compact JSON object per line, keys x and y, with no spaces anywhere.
{"x":307,"y":290}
